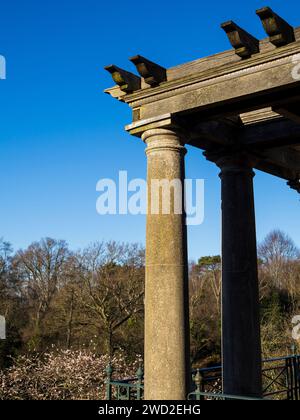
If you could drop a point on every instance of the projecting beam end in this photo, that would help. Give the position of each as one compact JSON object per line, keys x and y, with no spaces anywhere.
{"x":127,"y":81}
{"x":245,"y":44}
{"x":151,"y":72}
{"x":280,"y":32}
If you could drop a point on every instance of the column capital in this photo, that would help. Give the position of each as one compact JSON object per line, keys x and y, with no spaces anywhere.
{"x":166,"y":121}
{"x":165,"y":139}
{"x":232,"y":161}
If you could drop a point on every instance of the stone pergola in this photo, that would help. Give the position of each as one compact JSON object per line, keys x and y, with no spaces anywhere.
{"x":242,"y":107}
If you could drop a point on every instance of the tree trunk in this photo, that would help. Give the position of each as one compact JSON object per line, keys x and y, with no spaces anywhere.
{"x":70,"y":322}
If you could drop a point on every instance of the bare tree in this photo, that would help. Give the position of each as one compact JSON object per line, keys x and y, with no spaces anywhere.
{"x":113,"y":291}
{"x":5,"y":253}
{"x":276,"y":252}
{"x":66,"y":311}
{"x":5,"y":284}
{"x":196,"y":288}
{"x":41,"y":268}
{"x":211,"y":267}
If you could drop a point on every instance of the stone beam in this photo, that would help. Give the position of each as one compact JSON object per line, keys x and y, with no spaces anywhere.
{"x":273,"y":132}
{"x":284,"y":157}
{"x":274,"y":170}
{"x":208,"y":65}
{"x":295,"y":184}
{"x":260,"y":83}
{"x":152,"y":73}
{"x":279,"y":31}
{"x":270,"y":141}
{"x":128,"y":82}
{"x":245,"y":45}
{"x":209,"y":134}
{"x":276,"y":133}
{"x":290,"y":111}
{"x":260,"y":138}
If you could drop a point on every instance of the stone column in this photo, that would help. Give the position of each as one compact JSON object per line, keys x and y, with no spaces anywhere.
{"x":167,"y":374}
{"x":240,"y":295}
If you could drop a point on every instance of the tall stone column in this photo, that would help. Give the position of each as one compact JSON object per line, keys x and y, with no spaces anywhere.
{"x":240,"y":295}
{"x":167,"y":373}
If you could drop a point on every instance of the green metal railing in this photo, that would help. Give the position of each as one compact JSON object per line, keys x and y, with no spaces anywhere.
{"x":281,"y":381}
{"x":281,"y":378}
{"x":200,"y":395}
{"x":126,"y":389}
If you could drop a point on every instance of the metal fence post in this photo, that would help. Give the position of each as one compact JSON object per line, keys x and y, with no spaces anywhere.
{"x":198,"y":382}
{"x":140,"y":375}
{"x":296,"y":363}
{"x":109,"y":371}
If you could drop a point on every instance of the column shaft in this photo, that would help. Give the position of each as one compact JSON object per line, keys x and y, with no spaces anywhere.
{"x":240,"y":295}
{"x":167,"y":373}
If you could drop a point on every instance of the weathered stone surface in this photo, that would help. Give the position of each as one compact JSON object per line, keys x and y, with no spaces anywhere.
{"x":152,"y":73}
{"x":166,"y":295}
{"x":240,"y":89}
{"x":244,"y":44}
{"x":208,"y":65}
{"x":213,"y":62}
{"x":262,"y":89}
{"x":241,"y":348}
{"x":279,"y":31}
{"x":128,"y":82}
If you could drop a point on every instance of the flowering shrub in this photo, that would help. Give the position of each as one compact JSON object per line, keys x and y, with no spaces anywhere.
{"x":61,"y":375}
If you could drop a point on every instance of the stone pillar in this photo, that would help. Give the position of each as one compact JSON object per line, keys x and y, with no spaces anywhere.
{"x":167,"y":373}
{"x":240,"y":295}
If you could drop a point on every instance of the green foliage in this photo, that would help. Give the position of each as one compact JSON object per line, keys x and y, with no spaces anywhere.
{"x":210,"y":262}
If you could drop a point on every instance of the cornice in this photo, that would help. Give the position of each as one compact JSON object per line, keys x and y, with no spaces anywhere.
{"x":256,"y":63}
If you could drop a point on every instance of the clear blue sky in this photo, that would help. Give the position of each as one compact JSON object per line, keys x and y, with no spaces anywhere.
{"x":59,"y":134}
